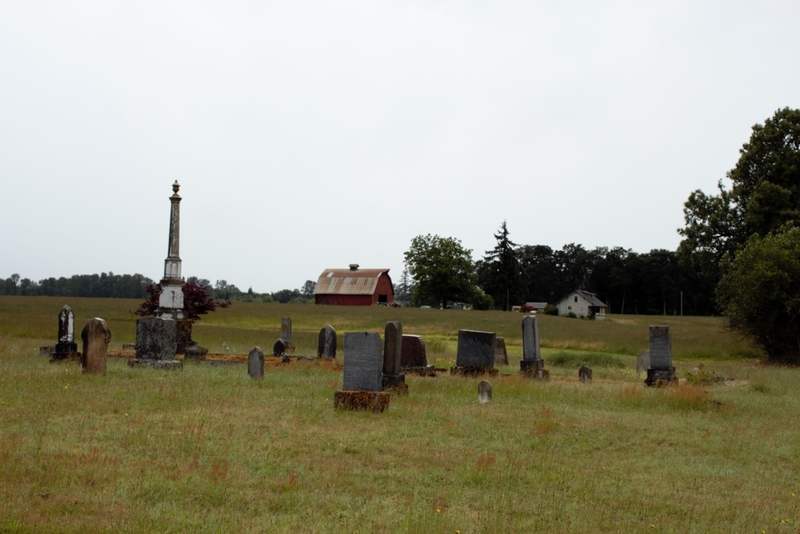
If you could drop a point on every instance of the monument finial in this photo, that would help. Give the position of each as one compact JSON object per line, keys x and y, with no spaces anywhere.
{"x":175,"y":187}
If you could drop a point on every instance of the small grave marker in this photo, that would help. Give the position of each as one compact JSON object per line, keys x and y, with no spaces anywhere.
{"x":500,"y":354}
{"x":484,"y":392}
{"x":393,"y":378}
{"x":661,"y":372}
{"x":255,"y":363}
{"x":585,"y":375}
{"x":286,"y":332}
{"x":643,"y":361}
{"x":413,"y":358}
{"x":326,"y":346}
{"x":532,"y":364}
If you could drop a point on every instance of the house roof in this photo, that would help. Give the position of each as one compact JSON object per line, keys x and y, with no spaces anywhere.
{"x":591,"y":297}
{"x":349,"y":281}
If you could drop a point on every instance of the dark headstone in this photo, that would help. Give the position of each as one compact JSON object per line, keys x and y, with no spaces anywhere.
{"x":475,"y":349}
{"x":66,"y":347}
{"x":96,"y":336}
{"x":392,"y":348}
{"x":413,"y":352}
{"x":255,"y":363}
{"x":286,"y":331}
{"x":279,"y":348}
{"x":484,"y":392}
{"x":326,"y":347}
{"x":156,"y":343}
{"x":363,"y":362}
{"x":500,"y":354}
{"x":661,"y":371}
{"x":585,"y":375}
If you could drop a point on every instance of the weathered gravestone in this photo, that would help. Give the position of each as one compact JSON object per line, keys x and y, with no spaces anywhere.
{"x":156,"y":342}
{"x":413,"y":358}
{"x":393,"y":377}
{"x":484,"y":392}
{"x":500,"y":354}
{"x":255,"y":363}
{"x":66,"y":348}
{"x":95,"y":335}
{"x":362,"y":374}
{"x":643,"y":361}
{"x":661,"y":372}
{"x":585,"y":375}
{"x":286,"y":332}
{"x":475,"y":353}
{"x":532,"y":365}
{"x":326,"y":346}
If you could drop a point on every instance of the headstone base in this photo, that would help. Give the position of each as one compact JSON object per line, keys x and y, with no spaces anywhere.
{"x":525,"y":365}
{"x":536,"y":374}
{"x":395,"y":384}
{"x":422,"y":370}
{"x":165,"y":365}
{"x":195,"y":352}
{"x":65,"y":357}
{"x":373,"y":401}
{"x":472,"y":370}
{"x":661,"y":377}
{"x":65,"y":351}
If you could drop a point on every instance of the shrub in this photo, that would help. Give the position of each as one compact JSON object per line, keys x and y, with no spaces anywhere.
{"x":550,"y":309}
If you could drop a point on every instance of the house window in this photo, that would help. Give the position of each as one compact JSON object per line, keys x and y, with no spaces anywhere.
{"x":576,"y":298}
{"x":569,"y":307}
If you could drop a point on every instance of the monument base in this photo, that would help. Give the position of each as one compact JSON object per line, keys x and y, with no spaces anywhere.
{"x":165,"y":365}
{"x":525,"y":365}
{"x":536,"y":374}
{"x":472,"y":370}
{"x":65,"y":357}
{"x":65,"y":351}
{"x":195,"y":352}
{"x":422,"y":370}
{"x":395,"y":384}
{"x":661,"y":377}
{"x":373,"y":401}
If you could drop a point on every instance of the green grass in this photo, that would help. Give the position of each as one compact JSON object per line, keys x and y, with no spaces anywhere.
{"x":209,"y":450}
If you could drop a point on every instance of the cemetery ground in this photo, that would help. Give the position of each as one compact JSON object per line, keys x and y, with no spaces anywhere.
{"x":208,"y":449}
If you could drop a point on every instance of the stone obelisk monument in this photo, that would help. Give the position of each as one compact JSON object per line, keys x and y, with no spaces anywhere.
{"x":170,"y":303}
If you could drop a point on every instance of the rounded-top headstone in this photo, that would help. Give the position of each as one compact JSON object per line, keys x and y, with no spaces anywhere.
{"x":484,"y":392}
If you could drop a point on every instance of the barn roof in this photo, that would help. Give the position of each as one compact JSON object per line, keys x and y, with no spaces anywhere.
{"x":349,"y":281}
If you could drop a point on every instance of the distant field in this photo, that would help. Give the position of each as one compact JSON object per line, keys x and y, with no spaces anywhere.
{"x":33,"y":320}
{"x":207,"y":449}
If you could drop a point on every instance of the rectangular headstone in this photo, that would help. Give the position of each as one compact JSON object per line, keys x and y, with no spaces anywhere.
{"x":286,"y":330}
{"x":255,"y":363}
{"x":500,"y":354}
{"x":413,"y":352}
{"x":530,"y":338}
{"x":392,"y":348}
{"x":660,"y":347}
{"x":475,"y":349}
{"x":363,"y":362}
{"x":155,"y":338}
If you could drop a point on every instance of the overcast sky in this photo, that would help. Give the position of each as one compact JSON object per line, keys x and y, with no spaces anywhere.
{"x":310,"y":135}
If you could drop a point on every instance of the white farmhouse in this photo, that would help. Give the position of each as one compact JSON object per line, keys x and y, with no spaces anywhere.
{"x":583,"y":304}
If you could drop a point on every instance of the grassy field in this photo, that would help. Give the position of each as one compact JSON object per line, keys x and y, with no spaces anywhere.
{"x":207,"y":449}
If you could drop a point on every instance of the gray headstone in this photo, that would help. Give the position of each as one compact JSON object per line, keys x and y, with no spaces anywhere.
{"x":96,"y":336}
{"x":484,"y":391}
{"x":155,"y":338}
{"x":255,"y":363}
{"x":643,"y":361}
{"x":530,"y":338}
{"x":500,"y":354}
{"x":286,"y":330}
{"x":326,"y":347}
{"x":585,"y":375}
{"x":392,"y":348}
{"x":413,"y":354}
{"x":660,"y":347}
{"x":363,"y":362}
{"x":475,"y":349}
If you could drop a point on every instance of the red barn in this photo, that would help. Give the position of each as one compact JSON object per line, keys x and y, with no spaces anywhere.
{"x":354,"y":287}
